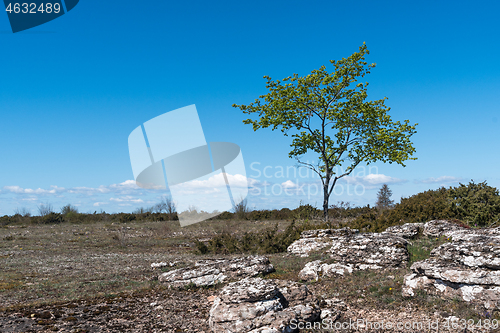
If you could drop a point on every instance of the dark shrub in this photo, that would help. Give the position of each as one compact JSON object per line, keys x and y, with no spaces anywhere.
{"x":476,"y":204}
{"x":5,"y":220}
{"x":124,"y":218}
{"x":259,"y":215}
{"x":50,"y":218}
{"x":422,"y":207}
{"x":271,"y":240}
{"x":306,"y":212}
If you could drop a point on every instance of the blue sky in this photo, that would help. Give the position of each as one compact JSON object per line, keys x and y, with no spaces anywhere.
{"x":73,"y":89}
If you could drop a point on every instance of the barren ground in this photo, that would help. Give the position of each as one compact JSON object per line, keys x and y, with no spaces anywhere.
{"x":98,"y":278}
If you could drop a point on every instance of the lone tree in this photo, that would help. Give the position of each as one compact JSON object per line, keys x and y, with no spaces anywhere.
{"x":384,"y":198}
{"x":331,"y":118}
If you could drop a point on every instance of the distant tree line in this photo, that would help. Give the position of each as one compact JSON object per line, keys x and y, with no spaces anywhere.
{"x":473,"y":205}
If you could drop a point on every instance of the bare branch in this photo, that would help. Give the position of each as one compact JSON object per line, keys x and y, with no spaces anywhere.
{"x":310,"y":166}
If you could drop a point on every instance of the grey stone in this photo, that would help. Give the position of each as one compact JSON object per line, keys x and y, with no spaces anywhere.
{"x":211,"y":272}
{"x":438,"y":228}
{"x":262,"y":305}
{"x":407,"y":230}
{"x":370,"y":251}
{"x":468,"y":267}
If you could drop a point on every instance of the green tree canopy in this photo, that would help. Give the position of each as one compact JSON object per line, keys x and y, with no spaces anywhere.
{"x":330,"y":116}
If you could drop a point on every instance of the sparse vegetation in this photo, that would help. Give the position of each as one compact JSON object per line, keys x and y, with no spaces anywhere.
{"x":108,"y":254}
{"x":24,"y":212}
{"x":45,"y":209}
{"x":108,"y":258}
{"x":241,"y":209}
{"x":270,"y":240}
{"x":420,"y":248}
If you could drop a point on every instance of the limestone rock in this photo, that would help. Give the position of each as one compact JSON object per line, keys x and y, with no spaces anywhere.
{"x":330,"y":270}
{"x":331,"y":309}
{"x":311,"y":271}
{"x":257,"y":305}
{"x":210,"y":272}
{"x":351,"y":251}
{"x":315,"y":240}
{"x":321,"y":233}
{"x":468,"y":268}
{"x":314,"y":269}
{"x":437,"y":228}
{"x":407,"y":230}
{"x":455,"y":273}
{"x":370,"y":251}
{"x":304,"y":246}
{"x":481,"y":251}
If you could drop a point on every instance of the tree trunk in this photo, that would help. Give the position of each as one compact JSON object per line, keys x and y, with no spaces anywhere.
{"x":325,"y":201}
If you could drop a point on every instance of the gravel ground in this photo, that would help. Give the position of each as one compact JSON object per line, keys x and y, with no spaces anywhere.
{"x":148,"y":311}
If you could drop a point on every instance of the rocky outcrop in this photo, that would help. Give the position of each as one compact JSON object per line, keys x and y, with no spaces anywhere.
{"x":438,"y":228}
{"x":332,"y":309}
{"x":316,"y":240}
{"x":370,"y":251}
{"x":434,"y":228}
{"x":316,"y":269}
{"x":407,"y":230}
{"x":322,"y":233}
{"x":468,"y":268}
{"x":258,"y":305}
{"x":354,"y":252}
{"x":211,"y":272}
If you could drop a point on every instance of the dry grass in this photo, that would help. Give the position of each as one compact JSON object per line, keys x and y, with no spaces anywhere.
{"x":46,"y":264}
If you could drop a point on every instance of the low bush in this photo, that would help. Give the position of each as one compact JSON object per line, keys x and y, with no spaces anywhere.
{"x":124,"y":218}
{"x":422,"y":207}
{"x":270,"y":240}
{"x":50,"y":218}
{"x":478,"y":205}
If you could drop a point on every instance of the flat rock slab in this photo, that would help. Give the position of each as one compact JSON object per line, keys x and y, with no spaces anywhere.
{"x":488,"y":296}
{"x":263,"y":306}
{"x":407,"y":230}
{"x":321,"y":233}
{"x":211,"y":272}
{"x":304,"y":246}
{"x":370,"y":251}
{"x":468,"y":268}
{"x":316,"y":240}
{"x":438,"y":228}
{"x":480,"y":252}
{"x":316,"y":269}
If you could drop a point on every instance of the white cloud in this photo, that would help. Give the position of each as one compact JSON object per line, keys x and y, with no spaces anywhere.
{"x":97,"y":204}
{"x":128,"y":199}
{"x":218,"y":181}
{"x":17,"y":189}
{"x":288,"y":184}
{"x":29,"y":199}
{"x":372,"y":180}
{"x":126,"y":187}
{"x":442,"y":180}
